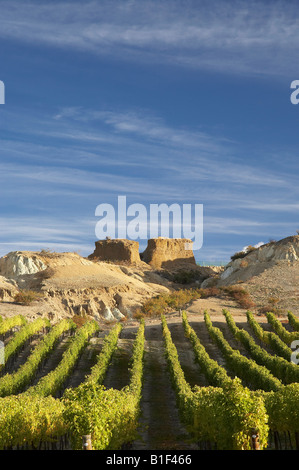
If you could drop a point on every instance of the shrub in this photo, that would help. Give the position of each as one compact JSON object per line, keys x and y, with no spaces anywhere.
{"x":167,"y":302}
{"x":209,"y":292}
{"x":79,"y":320}
{"x":242,"y":254}
{"x":26,"y":297}
{"x":185,"y":277}
{"x":239,"y":254}
{"x":155,"y":306}
{"x":270,"y":307}
{"x":240,"y":295}
{"x":138,"y":314}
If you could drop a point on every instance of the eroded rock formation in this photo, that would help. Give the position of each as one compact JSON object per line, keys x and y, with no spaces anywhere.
{"x":168,"y":252}
{"x":261,"y":259}
{"x":116,"y":250}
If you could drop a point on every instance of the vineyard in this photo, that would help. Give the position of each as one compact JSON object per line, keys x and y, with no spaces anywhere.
{"x":181,"y":381}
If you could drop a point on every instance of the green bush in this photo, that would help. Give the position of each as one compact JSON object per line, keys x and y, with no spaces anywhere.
{"x":173,"y":301}
{"x":185,"y":277}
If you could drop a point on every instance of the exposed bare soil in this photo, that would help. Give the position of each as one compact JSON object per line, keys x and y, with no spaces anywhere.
{"x":280,"y":283}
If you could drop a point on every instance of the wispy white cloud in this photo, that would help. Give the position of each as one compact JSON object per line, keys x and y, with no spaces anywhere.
{"x":143,"y":157}
{"x":36,"y":233}
{"x":231,"y":36}
{"x":75,"y":158}
{"x":65,"y":146}
{"x":79,"y":179}
{"x":205,"y":151}
{"x":138,"y":123}
{"x":274,"y":206}
{"x":99,"y":150}
{"x":237,"y":225}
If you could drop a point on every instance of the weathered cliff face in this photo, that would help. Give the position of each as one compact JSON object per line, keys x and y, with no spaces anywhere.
{"x":168,"y":252}
{"x":260,"y":259}
{"x":111,"y":283}
{"x":21,"y":263}
{"x":69,"y":284}
{"x":8,"y":289}
{"x":116,"y":250}
{"x":160,"y":252}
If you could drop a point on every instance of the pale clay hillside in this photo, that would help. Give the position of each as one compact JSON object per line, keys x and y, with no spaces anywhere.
{"x":115,"y":280}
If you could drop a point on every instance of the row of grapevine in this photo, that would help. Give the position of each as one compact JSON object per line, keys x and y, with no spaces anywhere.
{"x":254,"y":375}
{"x":11,"y":384}
{"x":11,"y":322}
{"x":98,"y":371}
{"x":215,"y":374}
{"x":282,"y":409}
{"x":28,"y":421}
{"x":293,"y":321}
{"x":51,"y":383}
{"x":110,"y":416}
{"x":19,"y":339}
{"x":287,"y":336}
{"x":284,"y":370}
{"x":183,"y":389}
{"x":269,"y":337}
{"x":225,"y":416}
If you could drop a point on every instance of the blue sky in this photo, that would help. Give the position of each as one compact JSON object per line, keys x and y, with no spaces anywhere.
{"x":162,"y":101}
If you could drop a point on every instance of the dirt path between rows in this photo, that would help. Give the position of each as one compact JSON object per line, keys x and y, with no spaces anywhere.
{"x":160,"y":424}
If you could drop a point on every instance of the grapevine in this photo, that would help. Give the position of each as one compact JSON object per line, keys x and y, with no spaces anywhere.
{"x":109,"y":415}
{"x":223,"y":415}
{"x":263,"y":397}
{"x":11,"y":384}
{"x":286,"y":371}
{"x":248,"y":370}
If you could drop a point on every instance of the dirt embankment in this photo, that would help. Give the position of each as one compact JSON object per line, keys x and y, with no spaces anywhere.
{"x":69,"y":284}
{"x":269,"y":273}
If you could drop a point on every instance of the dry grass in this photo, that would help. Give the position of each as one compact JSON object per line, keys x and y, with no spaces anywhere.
{"x":26,"y":297}
{"x":272,"y":307}
{"x":79,"y":320}
{"x":179,"y":299}
{"x":240,"y":295}
{"x":167,"y":302}
{"x":176,"y":300}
